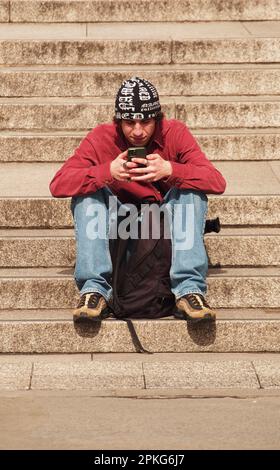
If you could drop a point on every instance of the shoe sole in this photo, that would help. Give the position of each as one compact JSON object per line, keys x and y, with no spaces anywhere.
{"x":207,"y":317}
{"x":83,"y":317}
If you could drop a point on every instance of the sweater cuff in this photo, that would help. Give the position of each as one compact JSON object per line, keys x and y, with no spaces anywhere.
{"x":176,"y":175}
{"x":103,"y":174}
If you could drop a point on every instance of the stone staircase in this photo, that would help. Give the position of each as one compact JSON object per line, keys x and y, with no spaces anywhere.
{"x":216,"y":65}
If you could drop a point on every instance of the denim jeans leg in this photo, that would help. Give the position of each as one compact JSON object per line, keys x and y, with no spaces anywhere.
{"x":93,"y":270}
{"x":187,"y":211}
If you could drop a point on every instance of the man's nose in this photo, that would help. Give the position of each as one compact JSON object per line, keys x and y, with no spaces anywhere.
{"x":137,"y":129}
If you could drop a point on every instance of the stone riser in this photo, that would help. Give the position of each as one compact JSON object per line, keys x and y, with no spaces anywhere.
{"x":203,"y":115}
{"x":103,"y":10}
{"x":55,"y":213}
{"x":58,"y":148}
{"x":53,"y":293}
{"x":103,"y":84}
{"x":112,"y":51}
{"x":156,"y":336}
{"x":222,"y":251}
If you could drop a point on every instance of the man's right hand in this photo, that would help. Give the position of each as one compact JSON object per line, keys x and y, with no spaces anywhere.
{"x":119,"y":167}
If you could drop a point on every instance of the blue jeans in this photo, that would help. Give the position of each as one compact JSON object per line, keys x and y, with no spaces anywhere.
{"x":189,"y":264}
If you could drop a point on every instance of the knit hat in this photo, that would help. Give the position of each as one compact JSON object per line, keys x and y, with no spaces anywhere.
{"x":137,"y":99}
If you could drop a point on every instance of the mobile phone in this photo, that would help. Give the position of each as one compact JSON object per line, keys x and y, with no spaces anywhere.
{"x":139,"y":152}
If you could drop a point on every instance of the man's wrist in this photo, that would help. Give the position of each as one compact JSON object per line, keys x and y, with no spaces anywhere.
{"x":168,"y":170}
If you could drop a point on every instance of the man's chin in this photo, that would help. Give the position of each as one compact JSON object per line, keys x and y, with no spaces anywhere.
{"x":138,"y":144}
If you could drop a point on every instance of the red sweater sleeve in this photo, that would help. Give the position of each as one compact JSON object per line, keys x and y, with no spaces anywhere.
{"x":81,"y":174}
{"x":193,"y":170}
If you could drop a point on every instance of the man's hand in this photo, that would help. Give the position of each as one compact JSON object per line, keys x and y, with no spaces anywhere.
{"x":156,"y":168}
{"x":119,"y":167}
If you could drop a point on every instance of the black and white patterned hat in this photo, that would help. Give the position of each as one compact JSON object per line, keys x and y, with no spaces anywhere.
{"x":137,"y":99}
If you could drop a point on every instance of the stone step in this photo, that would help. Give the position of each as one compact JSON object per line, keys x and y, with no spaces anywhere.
{"x":168,"y":375}
{"x":54,"y":332}
{"x":139,"y":30}
{"x":243,"y":48}
{"x":232,"y":247}
{"x":218,"y":144}
{"x":261,"y":80}
{"x":41,"y":212}
{"x":142,"y":10}
{"x":49,"y":114}
{"x":54,"y":288}
{"x":32,"y":179}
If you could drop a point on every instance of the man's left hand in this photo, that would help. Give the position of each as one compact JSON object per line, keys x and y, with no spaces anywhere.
{"x":156,"y":168}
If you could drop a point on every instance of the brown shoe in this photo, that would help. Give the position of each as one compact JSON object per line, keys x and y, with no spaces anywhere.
{"x":92,"y":306}
{"x":194,"y":307}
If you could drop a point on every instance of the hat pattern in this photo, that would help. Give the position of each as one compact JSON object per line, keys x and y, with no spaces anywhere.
{"x":137,"y":99}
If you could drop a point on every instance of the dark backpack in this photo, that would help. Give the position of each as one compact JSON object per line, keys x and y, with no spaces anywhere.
{"x":141,"y":284}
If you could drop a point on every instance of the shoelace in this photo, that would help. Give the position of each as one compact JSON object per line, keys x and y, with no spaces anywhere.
{"x":197,"y":300}
{"x":93,"y":297}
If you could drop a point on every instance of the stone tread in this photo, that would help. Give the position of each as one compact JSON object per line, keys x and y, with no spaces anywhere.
{"x":32,"y":179}
{"x":141,"y":31}
{"x":59,"y":315}
{"x":59,"y":234}
{"x":62,"y":273}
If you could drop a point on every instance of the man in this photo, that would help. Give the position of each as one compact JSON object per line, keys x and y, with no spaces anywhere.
{"x":176,"y":171}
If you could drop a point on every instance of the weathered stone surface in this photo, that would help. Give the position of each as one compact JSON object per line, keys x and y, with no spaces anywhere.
{"x":15,"y":376}
{"x":84,"y":115}
{"x":143,"y":10}
{"x":245,"y":210}
{"x":206,"y":51}
{"x":43,"y":251}
{"x":87,"y":376}
{"x":229,"y":114}
{"x":195,"y":374}
{"x":35,"y":212}
{"x":109,"y":51}
{"x":50,"y":116}
{"x":57,"y":289}
{"x":258,"y":250}
{"x":86,"y":52}
{"x":60,"y":251}
{"x":156,"y":336}
{"x":86,"y":83}
{"x":239,"y":147}
{"x":268,"y":373}
{"x":57,"y":148}
{"x":55,"y":213}
{"x":25,"y":148}
{"x":4,"y":11}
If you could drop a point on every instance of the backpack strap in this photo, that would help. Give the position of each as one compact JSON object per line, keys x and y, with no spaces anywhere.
{"x":136,"y":341}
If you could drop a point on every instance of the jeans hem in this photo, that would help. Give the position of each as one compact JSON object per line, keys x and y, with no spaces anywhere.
{"x":178,"y":296}
{"x":94,"y":289}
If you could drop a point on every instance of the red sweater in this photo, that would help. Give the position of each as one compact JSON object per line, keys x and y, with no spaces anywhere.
{"x":88,"y":170}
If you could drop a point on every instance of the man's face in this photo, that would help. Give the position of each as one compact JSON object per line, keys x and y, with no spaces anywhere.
{"x":138,"y":132}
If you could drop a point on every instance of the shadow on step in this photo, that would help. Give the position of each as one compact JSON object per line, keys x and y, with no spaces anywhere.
{"x":202,"y":333}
